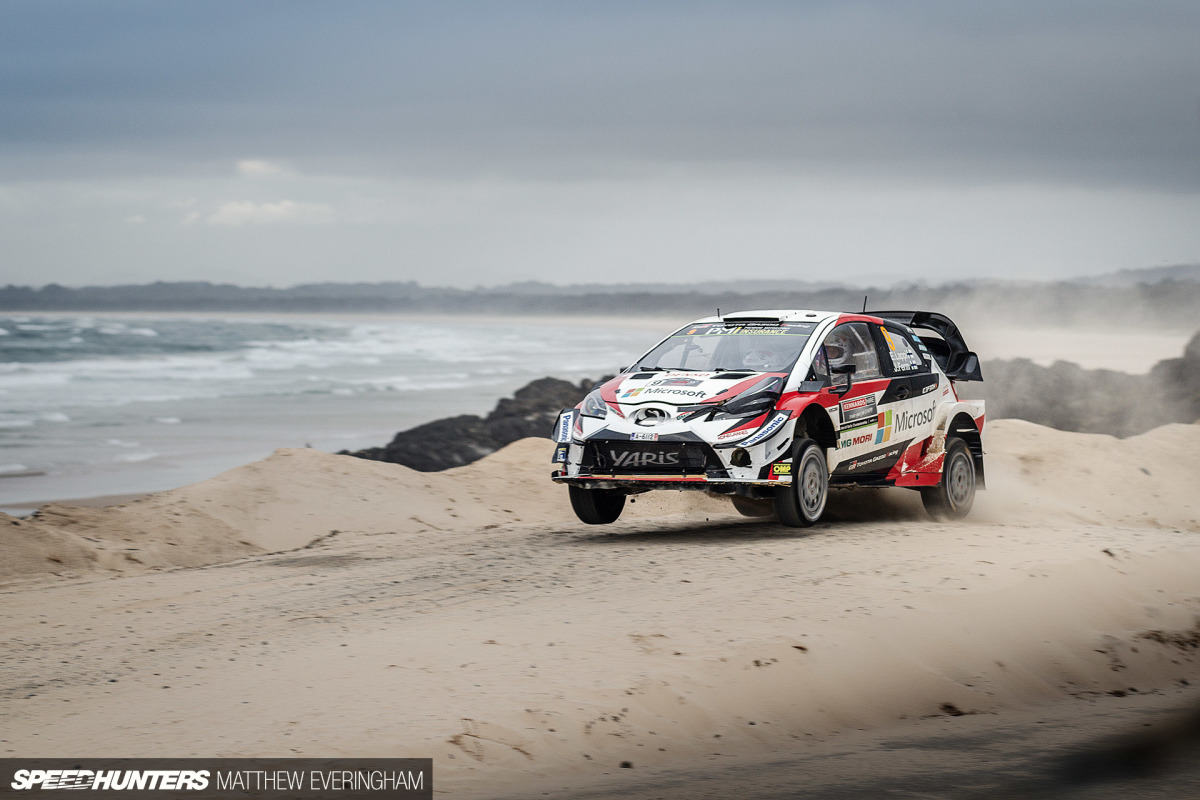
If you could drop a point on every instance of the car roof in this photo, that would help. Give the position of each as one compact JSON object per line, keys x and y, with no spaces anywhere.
{"x":782,"y":315}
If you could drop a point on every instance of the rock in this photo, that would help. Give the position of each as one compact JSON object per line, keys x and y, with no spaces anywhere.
{"x":1067,"y":397}
{"x":458,"y":441}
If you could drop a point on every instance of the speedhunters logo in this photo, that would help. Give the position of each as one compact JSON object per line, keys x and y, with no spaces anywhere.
{"x":293,"y":779}
{"x":115,"y":779}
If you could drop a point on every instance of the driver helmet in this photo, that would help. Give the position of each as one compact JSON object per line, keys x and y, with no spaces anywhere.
{"x":838,"y":348}
{"x":759,"y":358}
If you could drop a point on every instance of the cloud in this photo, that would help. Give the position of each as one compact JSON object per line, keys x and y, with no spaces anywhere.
{"x":239,"y":213}
{"x":258,"y":168}
{"x":136,"y":219}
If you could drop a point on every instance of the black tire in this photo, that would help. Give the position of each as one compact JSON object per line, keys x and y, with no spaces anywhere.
{"x":801,"y":503}
{"x":751,"y":507}
{"x":596,"y":506}
{"x":953,"y":497}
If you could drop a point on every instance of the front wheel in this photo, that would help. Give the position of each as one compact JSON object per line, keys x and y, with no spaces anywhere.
{"x":954,"y":496}
{"x":752,"y":507}
{"x":596,"y":506}
{"x":802,"y":503}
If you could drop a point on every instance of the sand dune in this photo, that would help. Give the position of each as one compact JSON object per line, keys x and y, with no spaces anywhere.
{"x":323,"y":605}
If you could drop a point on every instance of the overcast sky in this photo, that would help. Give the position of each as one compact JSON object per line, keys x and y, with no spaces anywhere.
{"x":479,"y":143}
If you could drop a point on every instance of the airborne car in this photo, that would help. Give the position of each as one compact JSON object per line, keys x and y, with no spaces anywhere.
{"x":771,"y":408}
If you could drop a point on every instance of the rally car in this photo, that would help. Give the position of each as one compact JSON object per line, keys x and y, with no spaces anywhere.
{"x":772,"y":408}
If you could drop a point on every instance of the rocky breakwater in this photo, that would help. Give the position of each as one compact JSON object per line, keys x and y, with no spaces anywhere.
{"x":456,"y":441}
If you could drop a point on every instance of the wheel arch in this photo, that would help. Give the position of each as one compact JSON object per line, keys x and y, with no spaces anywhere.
{"x":814,"y":423}
{"x":962,"y":426}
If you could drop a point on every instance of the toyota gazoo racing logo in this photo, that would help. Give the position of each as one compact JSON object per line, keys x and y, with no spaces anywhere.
{"x":626,"y":458}
{"x":111,"y":779}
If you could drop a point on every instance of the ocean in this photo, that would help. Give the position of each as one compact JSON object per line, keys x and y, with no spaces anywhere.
{"x":106,"y":404}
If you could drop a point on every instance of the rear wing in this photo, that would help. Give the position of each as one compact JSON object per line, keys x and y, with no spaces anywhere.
{"x":943,"y":340}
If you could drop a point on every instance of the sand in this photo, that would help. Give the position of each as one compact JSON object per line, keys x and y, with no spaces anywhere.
{"x":320,"y":605}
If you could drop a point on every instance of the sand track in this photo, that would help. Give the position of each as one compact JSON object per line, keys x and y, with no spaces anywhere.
{"x":466,"y":616}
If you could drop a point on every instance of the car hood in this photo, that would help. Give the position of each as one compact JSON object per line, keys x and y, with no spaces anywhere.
{"x":680,"y":388}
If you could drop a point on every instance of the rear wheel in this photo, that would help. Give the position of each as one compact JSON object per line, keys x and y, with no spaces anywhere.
{"x":802,"y":503}
{"x":954,"y":496}
{"x":596,"y":506}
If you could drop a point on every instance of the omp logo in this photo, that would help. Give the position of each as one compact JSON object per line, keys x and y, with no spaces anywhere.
{"x":781,"y":469}
{"x":885,"y":428}
{"x":905,"y":420}
{"x":628,"y":459}
{"x":111,"y":780}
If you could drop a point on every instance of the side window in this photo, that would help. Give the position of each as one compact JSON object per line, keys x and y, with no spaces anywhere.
{"x":901,"y":356}
{"x":852,"y":344}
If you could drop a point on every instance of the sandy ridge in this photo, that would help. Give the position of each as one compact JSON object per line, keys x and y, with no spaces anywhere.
{"x":467,"y":616}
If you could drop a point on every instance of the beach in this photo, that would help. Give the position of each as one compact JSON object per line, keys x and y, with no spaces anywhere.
{"x":318,"y":605}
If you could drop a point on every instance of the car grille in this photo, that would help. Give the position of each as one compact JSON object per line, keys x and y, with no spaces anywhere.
{"x":625,"y":458}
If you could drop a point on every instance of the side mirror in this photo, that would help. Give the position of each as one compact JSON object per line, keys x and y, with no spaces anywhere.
{"x":844,"y":369}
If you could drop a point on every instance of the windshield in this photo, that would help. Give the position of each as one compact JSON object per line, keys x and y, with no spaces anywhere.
{"x":713,"y":346}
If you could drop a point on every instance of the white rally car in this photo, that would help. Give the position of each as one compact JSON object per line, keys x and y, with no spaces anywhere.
{"x":771,"y":408}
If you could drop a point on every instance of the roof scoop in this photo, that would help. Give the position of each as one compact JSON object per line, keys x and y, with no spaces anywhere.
{"x":732,"y":320}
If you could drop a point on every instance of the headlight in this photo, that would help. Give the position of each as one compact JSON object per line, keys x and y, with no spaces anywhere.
{"x":593,"y":405}
{"x":758,"y":399}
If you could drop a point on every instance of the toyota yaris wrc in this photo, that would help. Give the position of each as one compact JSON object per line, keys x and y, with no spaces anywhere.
{"x":772,"y":408}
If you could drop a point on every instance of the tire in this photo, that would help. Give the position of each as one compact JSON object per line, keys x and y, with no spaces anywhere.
{"x":953,"y":497}
{"x":596,"y":506}
{"x":749,"y":507}
{"x":801,"y":504}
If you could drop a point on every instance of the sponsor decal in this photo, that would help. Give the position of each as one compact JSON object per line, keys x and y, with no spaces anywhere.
{"x":929,"y":388}
{"x":858,"y":409}
{"x":644,"y":437}
{"x":750,"y":329}
{"x":781,"y":469}
{"x":859,"y":464}
{"x":676,"y":382}
{"x":906,"y":420}
{"x":631,"y":393}
{"x":628,"y":458}
{"x":560,"y":454}
{"x":862,"y":438}
{"x":566,"y":423}
{"x":767,"y":431}
{"x":884,"y":433}
{"x":663,"y":390}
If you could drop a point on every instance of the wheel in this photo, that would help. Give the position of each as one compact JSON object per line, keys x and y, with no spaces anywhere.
{"x":750,"y":507}
{"x":802,"y":503}
{"x":596,"y":506}
{"x":954,"y":496}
